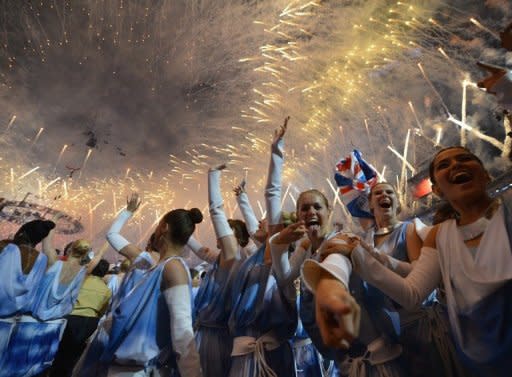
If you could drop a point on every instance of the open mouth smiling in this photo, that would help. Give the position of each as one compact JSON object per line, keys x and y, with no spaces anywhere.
{"x":385,"y":203}
{"x":461,"y":177}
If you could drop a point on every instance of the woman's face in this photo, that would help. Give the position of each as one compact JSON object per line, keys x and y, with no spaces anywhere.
{"x":159,"y":235}
{"x":458,"y":174}
{"x":383,"y":201}
{"x":313,"y":210}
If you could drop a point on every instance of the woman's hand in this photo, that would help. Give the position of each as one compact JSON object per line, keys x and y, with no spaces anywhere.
{"x":238,"y":190}
{"x":279,"y":133}
{"x":337,"y":313}
{"x":341,"y":244}
{"x":291,"y":233}
{"x":133,"y":202}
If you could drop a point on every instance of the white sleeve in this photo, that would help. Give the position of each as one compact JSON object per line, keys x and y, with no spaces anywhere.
{"x":421,"y":229}
{"x":219,"y":220}
{"x":273,"y":187}
{"x":179,"y":303}
{"x":337,"y":265}
{"x":410,"y":291}
{"x":286,"y":269}
{"x":247,"y":212}
{"x":400,"y":267}
{"x":113,"y":237}
{"x":202,"y":252}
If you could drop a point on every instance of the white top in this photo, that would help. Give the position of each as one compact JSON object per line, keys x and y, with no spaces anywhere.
{"x":474,"y":278}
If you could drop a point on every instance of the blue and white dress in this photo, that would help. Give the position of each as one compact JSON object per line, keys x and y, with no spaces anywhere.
{"x":308,"y":361}
{"x":478,"y":285}
{"x":136,"y":334}
{"x":262,"y":322}
{"x":212,"y":307}
{"x":35,"y":332}
{"x":423,"y":332}
{"x":375,"y":352}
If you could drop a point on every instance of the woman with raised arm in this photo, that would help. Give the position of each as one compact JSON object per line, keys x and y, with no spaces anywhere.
{"x":373,"y":353}
{"x":150,"y":326}
{"x":422,"y":331}
{"x":471,"y":255}
{"x":257,"y":229}
{"x":262,"y":320}
{"x":212,"y":303}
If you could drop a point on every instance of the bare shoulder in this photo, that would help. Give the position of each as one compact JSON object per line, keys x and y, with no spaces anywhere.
{"x":430,"y":241}
{"x":175,"y":273}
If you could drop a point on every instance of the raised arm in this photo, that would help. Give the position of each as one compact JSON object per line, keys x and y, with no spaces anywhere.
{"x":179,"y":302}
{"x":247,"y":212}
{"x":49,"y":249}
{"x":202,"y":252}
{"x":223,"y":232}
{"x":118,"y":242}
{"x":97,"y":257}
{"x":274,"y":180}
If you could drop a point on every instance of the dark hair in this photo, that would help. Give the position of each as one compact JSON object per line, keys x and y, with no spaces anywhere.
{"x":314,"y":192}
{"x":444,"y":212}
{"x":240,"y":230}
{"x":101,"y":268}
{"x":182,"y":224}
{"x":33,"y":232}
{"x":431,"y":166}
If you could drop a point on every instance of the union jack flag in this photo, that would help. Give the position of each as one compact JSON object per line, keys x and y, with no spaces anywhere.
{"x":355,"y":177}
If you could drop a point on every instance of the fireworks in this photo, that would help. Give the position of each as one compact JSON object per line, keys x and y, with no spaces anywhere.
{"x":172,"y":88}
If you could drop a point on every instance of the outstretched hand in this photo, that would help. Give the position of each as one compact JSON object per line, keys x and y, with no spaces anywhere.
{"x":133,"y":202}
{"x":238,"y":190}
{"x":341,"y":244}
{"x":337,"y":313}
{"x":279,"y":133}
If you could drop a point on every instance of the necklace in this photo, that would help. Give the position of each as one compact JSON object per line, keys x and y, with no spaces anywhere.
{"x":386,"y":229}
{"x":473,"y":230}
{"x":478,"y":227}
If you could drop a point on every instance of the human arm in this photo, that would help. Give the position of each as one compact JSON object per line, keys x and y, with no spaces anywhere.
{"x":203,"y":252}
{"x":408,"y":291}
{"x":337,"y":313}
{"x":118,"y":242}
{"x":274,"y":180}
{"x":97,"y":257}
{"x":287,"y":269}
{"x":413,"y":241}
{"x":223,"y":232}
{"x":179,"y":303}
{"x":247,"y":212}
{"x":49,"y":248}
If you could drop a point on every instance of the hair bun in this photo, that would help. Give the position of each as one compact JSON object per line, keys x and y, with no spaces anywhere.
{"x":195,"y":215}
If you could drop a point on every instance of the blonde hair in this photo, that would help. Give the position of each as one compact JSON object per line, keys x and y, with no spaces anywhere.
{"x":79,"y":248}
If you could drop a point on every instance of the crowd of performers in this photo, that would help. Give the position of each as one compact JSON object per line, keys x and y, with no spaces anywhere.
{"x":290,"y":295}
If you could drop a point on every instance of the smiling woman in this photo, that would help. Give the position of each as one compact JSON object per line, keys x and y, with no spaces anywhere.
{"x":476,"y":271}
